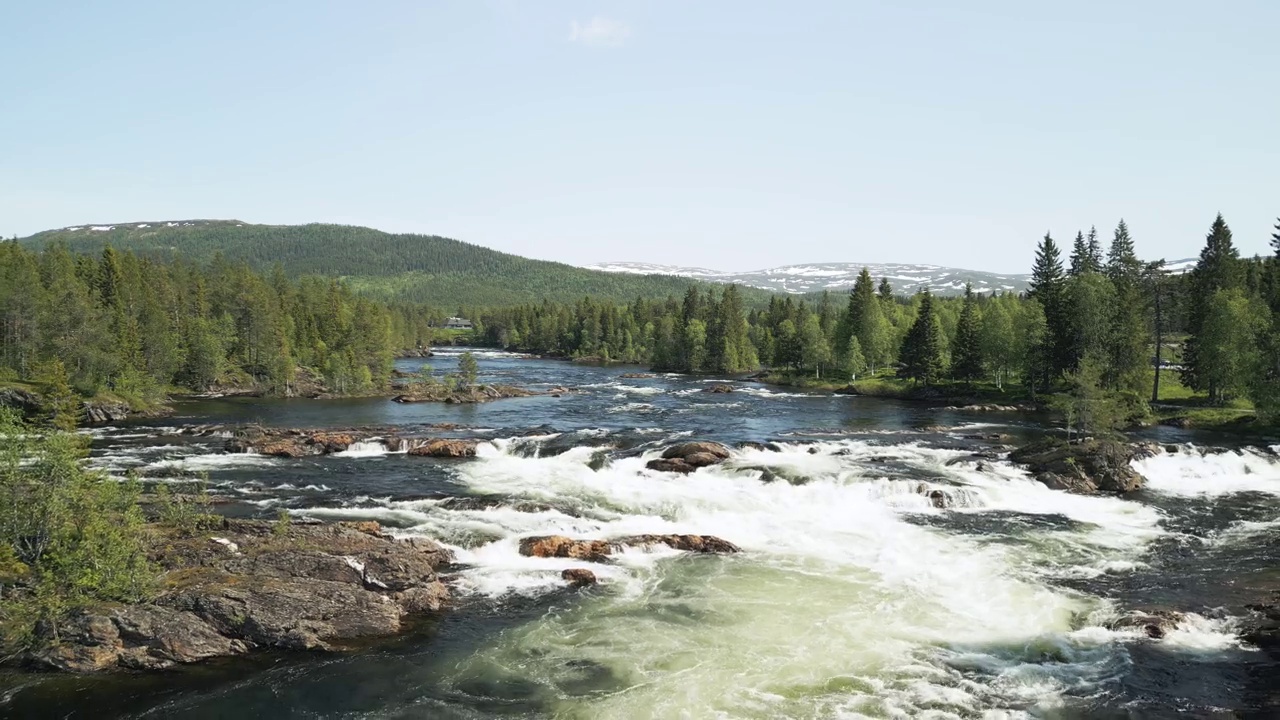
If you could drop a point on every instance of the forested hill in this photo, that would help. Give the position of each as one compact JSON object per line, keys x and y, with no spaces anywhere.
{"x":418,"y":268}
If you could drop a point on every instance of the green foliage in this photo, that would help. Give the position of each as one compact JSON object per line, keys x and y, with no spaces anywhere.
{"x":966,"y":355}
{"x":468,"y":369}
{"x":68,"y":538}
{"x":923,"y":347}
{"x":78,"y":328}
{"x":402,"y":267}
{"x":187,"y":513}
{"x":1087,"y":407}
{"x":280,"y":527}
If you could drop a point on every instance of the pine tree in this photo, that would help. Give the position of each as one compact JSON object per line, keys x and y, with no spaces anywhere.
{"x":966,"y":354}
{"x":1217,"y":269}
{"x":922,"y":348}
{"x":885,"y":290}
{"x":860,"y":297}
{"x":1275,"y":239}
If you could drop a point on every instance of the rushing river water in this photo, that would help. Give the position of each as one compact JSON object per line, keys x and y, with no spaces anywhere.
{"x":853,"y":597}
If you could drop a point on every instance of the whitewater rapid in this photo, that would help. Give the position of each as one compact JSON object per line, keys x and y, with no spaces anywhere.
{"x":854,"y":595}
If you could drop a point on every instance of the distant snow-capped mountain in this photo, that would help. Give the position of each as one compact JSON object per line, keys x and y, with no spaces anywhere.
{"x":816,"y":277}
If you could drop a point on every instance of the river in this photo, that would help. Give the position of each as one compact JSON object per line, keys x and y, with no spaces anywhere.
{"x":853,"y":597}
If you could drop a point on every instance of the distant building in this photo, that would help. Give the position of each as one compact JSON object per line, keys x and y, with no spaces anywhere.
{"x":457,"y":323}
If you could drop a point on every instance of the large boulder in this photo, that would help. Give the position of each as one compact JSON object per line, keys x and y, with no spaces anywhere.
{"x":446,"y":448}
{"x":578,"y":577}
{"x":559,"y":546}
{"x":1085,"y":467}
{"x":687,"y":457}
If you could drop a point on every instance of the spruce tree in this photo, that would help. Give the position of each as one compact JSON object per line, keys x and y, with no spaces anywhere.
{"x":966,"y":354}
{"x":1048,"y":287}
{"x":922,"y":348}
{"x":885,"y":291}
{"x":1217,"y":269}
{"x":1079,"y":256}
{"x":1095,"y":249}
{"x":1125,"y":356}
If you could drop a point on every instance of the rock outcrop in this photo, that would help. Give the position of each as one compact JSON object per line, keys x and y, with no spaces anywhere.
{"x":446,"y":448}
{"x":687,"y":457}
{"x":719,"y":389}
{"x":27,"y":403}
{"x":1155,"y":623}
{"x":312,"y":587}
{"x":466,"y":395}
{"x":1085,"y":467}
{"x":559,"y":546}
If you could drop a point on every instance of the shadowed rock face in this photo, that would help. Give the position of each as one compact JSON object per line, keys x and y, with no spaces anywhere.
{"x":312,"y":587}
{"x":559,"y":546}
{"x":1083,"y":467}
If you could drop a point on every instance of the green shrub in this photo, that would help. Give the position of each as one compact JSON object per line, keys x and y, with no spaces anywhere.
{"x":69,"y":538}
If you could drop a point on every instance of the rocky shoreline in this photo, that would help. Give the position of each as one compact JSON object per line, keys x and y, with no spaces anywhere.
{"x":253,"y":585}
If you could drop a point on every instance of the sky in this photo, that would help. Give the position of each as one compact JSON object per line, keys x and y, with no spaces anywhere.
{"x":730,"y":135}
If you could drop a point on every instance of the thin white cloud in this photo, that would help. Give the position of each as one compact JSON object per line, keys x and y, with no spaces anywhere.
{"x":599,"y":32}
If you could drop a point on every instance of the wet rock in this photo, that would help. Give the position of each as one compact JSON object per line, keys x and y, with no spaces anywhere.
{"x":1085,"y":467}
{"x":990,"y":437}
{"x":684,"y":450}
{"x":687,"y":457}
{"x":1262,"y":628}
{"x":675,"y":466}
{"x":1172,"y":449}
{"x":984,"y":407}
{"x":688,"y":543}
{"x":1182,"y":422}
{"x":637,"y":376}
{"x":1156,"y":623}
{"x":559,"y":546}
{"x":578,"y":577}
{"x":762,"y":447}
{"x":446,"y":448}
{"x":719,"y":389}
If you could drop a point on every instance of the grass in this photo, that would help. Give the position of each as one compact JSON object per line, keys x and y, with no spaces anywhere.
{"x":887,"y":384}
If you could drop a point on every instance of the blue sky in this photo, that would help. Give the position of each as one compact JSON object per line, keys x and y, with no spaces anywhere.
{"x":732,"y":135}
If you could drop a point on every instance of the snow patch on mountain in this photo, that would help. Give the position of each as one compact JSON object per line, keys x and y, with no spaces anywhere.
{"x":816,"y":277}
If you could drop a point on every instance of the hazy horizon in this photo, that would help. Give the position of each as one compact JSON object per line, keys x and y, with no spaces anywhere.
{"x":730,"y":136}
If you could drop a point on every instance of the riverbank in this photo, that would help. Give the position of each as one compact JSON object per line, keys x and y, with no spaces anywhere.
{"x":231,"y":587}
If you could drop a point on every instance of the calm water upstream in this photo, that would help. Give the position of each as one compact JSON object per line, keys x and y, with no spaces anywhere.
{"x":853,"y":596}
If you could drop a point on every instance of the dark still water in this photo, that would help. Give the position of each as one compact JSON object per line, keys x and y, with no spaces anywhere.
{"x":853,"y":597}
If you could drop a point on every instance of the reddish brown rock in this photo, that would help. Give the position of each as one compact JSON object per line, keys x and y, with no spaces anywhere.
{"x":579,"y":577}
{"x":446,"y":448}
{"x":559,"y":546}
{"x":688,"y":543}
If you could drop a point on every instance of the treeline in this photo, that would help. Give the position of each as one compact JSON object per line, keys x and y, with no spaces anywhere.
{"x":1090,"y":325}
{"x":136,"y":326}
{"x":422,"y":269}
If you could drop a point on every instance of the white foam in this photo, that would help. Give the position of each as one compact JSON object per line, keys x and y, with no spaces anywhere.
{"x":1212,"y":474}
{"x":364,"y":448}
